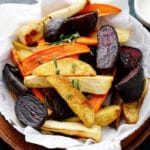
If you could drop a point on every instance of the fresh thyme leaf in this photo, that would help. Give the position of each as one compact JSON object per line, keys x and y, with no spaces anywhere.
{"x":68,"y":96}
{"x":78,"y":85}
{"x":73,"y":83}
{"x":91,"y":53}
{"x":57,"y":72}
{"x":70,"y":38}
{"x":74,"y":66}
{"x":88,"y":96}
{"x":55,"y":61}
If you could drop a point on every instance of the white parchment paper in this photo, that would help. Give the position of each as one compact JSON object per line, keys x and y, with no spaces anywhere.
{"x":13,"y":16}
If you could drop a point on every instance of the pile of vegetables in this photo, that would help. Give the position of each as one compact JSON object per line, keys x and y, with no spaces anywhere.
{"x":65,"y":69}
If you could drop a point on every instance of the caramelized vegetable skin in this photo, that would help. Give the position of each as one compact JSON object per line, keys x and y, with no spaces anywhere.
{"x":131,"y":86}
{"x":60,"y":26}
{"x":12,"y":78}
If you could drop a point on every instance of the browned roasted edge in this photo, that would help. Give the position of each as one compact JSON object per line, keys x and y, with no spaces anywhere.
{"x":136,"y":138}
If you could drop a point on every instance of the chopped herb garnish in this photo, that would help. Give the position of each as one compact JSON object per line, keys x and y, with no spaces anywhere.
{"x":91,"y":53}
{"x":68,"y":96}
{"x":76,"y":84}
{"x":46,"y":101}
{"x":66,"y":38}
{"x":73,"y":83}
{"x":88,"y":96}
{"x":55,"y":61}
{"x":74,"y":66}
{"x":57,"y":72}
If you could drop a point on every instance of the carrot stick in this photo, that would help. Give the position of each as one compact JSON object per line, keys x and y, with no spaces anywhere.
{"x":60,"y":51}
{"x":87,"y":40}
{"x":96,"y":101}
{"x":103,"y":9}
{"x":38,"y":94}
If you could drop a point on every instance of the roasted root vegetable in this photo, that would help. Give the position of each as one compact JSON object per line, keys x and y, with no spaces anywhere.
{"x":30,"y":111}
{"x":116,"y":100}
{"x":31,"y":33}
{"x":95,"y":84}
{"x":131,"y":110}
{"x":131,"y":86}
{"x":107,"y":49}
{"x":22,"y":54}
{"x":75,"y":129}
{"x":78,"y":22}
{"x":65,"y":67}
{"x":74,"y":98}
{"x":43,"y":56}
{"x":130,"y":57}
{"x":102,"y":9}
{"x":96,"y":101}
{"x":13,"y":82}
{"x":55,"y":28}
{"x":107,"y":115}
{"x":91,"y":39}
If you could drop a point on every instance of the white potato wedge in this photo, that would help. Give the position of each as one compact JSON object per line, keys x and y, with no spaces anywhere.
{"x":131,"y":110}
{"x":95,"y":85}
{"x":74,"y":98}
{"x":66,"y":67}
{"x":107,"y":115}
{"x":73,"y":129}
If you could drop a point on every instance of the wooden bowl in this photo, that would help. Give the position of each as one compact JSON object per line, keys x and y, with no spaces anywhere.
{"x":17,"y":141}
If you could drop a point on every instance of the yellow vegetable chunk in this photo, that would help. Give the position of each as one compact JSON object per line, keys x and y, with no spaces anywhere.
{"x":74,"y":98}
{"x":73,"y":129}
{"x":65,"y":67}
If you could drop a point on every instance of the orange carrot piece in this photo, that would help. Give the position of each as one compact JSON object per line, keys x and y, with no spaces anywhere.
{"x":15,"y":60}
{"x":76,"y":56}
{"x":60,"y":51}
{"x":103,"y":9}
{"x":87,"y":40}
{"x":96,"y":101}
{"x":38,"y":94}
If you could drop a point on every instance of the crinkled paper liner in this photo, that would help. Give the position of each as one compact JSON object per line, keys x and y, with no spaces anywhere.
{"x":15,"y":15}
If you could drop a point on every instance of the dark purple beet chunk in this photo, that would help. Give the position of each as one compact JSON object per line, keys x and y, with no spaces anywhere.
{"x":84,"y":23}
{"x":131,"y":86}
{"x":107,"y":49}
{"x":130,"y":57}
{"x":30,"y":111}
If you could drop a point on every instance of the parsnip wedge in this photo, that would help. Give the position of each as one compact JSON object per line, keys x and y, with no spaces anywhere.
{"x":107,"y":115}
{"x":96,"y":85}
{"x":74,"y":98}
{"x":65,"y":67}
{"x":73,"y":129}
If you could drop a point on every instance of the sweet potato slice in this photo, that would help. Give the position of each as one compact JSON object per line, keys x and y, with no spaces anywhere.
{"x":74,"y":98}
